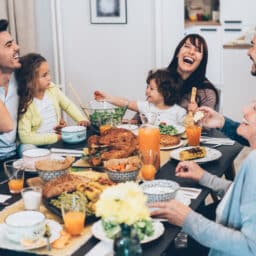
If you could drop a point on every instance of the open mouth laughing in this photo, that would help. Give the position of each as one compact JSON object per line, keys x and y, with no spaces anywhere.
{"x":188,"y":60}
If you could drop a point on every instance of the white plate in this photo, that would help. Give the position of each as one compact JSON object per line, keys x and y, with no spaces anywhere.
{"x":98,"y":232}
{"x":180,"y":129}
{"x":211,"y":154}
{"x":179,"y":197}
{"x":5,"y":243}
{"x":172,"y":147}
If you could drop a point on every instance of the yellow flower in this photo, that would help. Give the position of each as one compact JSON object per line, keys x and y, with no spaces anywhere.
{"x":123,"y":203}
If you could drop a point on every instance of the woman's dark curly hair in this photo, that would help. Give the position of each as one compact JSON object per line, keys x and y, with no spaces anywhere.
{"x":26,"y":78}
{"x":166,"y":85}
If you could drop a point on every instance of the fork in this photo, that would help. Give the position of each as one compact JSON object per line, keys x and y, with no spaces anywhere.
{"x":47,"y":235}
{"x":217,"y":145}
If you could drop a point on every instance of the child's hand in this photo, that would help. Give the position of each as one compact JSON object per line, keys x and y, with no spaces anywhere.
{"x":99,"y":95}
{"x":84,"y":123}
{"x":59,"y":126}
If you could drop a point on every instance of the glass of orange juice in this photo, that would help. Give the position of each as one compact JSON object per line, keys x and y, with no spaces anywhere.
{"x":73,"y":213}
{"x":193,"y":135}
{"x":15,"y":174}
{"x":149,"y":139}
{"x":149,"y":160}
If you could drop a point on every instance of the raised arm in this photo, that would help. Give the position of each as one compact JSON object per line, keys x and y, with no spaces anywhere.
{"x":6,"y":122}
{"x":213,"y":119}
{"x":117,"y":101}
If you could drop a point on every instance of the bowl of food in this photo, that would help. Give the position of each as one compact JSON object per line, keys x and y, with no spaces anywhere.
{"x":73,"y":134}
{"x":160,"y":190}
{"x":52,"y":168}
{"x":30,"y":156}
{"x":102,"y":112}
{"x":29,"y":225}
{"x":123,"y":169}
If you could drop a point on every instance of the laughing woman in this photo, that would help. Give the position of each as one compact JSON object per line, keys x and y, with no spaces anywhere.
{"x":188,"y":66}
{"x":234,"y":232}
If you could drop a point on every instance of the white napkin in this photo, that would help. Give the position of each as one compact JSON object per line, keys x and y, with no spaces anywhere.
{"x":101,"y":248}
{"x":66,"y":152}
{"x":3,"y":198}
{"x":191,"y":193}
{"x":221,"y":141}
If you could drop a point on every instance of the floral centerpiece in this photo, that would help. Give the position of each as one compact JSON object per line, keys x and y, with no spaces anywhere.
{"x":124,"y":204}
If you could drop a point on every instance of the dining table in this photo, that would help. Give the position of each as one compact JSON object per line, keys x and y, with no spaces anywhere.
{"x":167,"y":171}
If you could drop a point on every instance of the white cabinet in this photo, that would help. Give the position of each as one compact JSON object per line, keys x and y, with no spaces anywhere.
{"x":239,"y":85}
{"x":237,"y":10}
{"x":212,"y":35}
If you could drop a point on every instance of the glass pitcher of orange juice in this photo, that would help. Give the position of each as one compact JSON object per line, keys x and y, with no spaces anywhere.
{"x":149,"y":135}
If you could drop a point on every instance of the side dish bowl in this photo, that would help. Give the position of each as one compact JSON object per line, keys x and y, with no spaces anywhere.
{"x":30,"y":156}
{"x":160,"y":190}
{"x":123,"y":176}
{"x":73,"y":134}
{"x":102,"y":112}
{"x":25,"y":225}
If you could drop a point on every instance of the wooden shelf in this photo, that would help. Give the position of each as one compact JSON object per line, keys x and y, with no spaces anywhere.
{"x":189,"y":23}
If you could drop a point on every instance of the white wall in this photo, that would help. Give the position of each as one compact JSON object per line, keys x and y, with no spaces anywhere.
{"x":116,"y":58}
{"x":112,"y":58}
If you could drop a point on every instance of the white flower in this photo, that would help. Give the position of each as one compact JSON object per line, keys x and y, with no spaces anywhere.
{"x":124,"y":203}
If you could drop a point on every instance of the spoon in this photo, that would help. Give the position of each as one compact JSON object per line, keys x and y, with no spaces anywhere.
{"x":47,"y":235}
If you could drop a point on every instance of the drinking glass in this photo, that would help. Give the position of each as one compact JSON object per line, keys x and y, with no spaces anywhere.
{"x":193,"y":135}
{"x":32,"y":197}
{"x":73,"y":213}
{"x":149,"y":160}
{"x":149,"y":135}
{"x":15,"y":174}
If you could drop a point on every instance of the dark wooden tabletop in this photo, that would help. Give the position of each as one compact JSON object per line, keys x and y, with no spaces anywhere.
{"x":159,"y":246}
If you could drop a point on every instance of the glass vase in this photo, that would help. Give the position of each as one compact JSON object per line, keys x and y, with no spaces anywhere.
{"x":127,"y":243}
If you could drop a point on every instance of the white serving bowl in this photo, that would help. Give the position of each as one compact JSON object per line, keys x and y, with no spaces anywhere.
{"x":73,"y":134}
{"x":32,"y":155}
{"x":25,"y":225}
{"x":160,"y":190}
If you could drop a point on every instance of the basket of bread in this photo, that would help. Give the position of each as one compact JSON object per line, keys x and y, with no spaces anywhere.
{"x":51,"y":168}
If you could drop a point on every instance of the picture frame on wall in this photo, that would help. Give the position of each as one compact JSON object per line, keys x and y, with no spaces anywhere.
{"x":108,"y":11}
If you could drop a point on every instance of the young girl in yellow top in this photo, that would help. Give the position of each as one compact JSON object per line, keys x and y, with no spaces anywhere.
{"x":41,"y":103}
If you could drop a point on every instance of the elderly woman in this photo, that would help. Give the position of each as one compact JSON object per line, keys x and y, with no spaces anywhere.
{"x":234,"y":232}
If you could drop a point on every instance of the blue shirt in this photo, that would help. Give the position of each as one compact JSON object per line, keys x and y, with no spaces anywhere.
{"x":8,"y":139}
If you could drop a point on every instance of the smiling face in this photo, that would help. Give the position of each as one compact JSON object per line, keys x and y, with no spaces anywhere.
{"x":152,"y":93}
{"x":247,"y":128}
{"x":9,"y":53}
{"x":189,"y":58}
{"x":252,"y":55}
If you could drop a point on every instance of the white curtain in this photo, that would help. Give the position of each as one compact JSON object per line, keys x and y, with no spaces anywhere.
{"x":21,"y":17}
